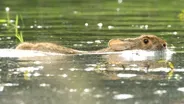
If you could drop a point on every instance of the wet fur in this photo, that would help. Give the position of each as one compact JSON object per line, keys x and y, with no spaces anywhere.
{"x":154,"y":43}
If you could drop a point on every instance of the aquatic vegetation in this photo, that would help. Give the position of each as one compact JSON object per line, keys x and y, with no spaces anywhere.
{"x":13,"y":25}
{"x":17,"y":33}
{"x":170,"y":74}
{"x":181,"y":15}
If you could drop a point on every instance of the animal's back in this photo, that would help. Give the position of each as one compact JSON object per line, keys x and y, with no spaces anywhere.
{"x":143,"y":42}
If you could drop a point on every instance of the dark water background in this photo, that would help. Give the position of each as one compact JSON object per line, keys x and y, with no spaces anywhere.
{"x":89,"y":25}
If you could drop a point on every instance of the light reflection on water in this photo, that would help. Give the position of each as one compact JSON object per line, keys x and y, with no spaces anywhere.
{"x":91,"y":76}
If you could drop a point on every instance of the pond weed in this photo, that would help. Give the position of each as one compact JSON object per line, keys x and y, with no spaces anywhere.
{"x":13,"y":25}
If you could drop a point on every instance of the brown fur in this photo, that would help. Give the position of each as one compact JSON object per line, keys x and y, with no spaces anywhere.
{"x":154,"y":43}
{"x":47,"y":47}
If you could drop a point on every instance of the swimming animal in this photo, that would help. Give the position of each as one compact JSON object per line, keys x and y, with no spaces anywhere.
{"x":143,"y":42}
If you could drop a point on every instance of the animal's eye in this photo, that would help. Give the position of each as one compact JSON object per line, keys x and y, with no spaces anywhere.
{"x":146,"y":41}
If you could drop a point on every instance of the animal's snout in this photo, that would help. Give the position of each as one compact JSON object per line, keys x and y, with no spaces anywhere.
{"x":164,"y":45}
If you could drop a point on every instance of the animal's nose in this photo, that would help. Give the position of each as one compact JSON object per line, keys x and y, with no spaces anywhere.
{"x":164,"y":45}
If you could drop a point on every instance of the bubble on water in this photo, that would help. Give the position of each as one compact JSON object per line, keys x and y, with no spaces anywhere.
{"x":89,"y":69}
{"x":78,"y":45}
{"x":146,"y":27}
{"x":100,"y":25}
{"x":160,"y":92}
{"x":98,"y":41}
{"x":120,"y":1}
{"x":11,"y":21}
{"x":73,"y":90}
{"x":31,"y":27}
{"x":86,"y":90}
{"x":44,"y":85}
{"x":122,"y":82}
{"x":75,"y":12}
{"x":89,"y":42}
{"x":175,"y":33}
{"x":73,"y":69}
{"x":5,"y":24}
{"x":36,"y":74}
{"x":110,"y":27}
{"x":18,"y":26}
{"x":39,"y":26}
{"x":61,"y":69}
{"x":98,"y":96}
{"x":7,"y":9}
{"x":142,"y":26}
{"x":64,"y":75}
{"x":86,"y":24}
{"x":49,"y":75}
{"x":8,"y":37}
{"x":168,"y":26}
{"x":117,"y":9}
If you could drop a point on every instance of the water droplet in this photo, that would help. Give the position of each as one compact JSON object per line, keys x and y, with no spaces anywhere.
{"x":44,"y":85}
{"x":89,"y":69}
{"x":64,"y":75}
{"x":146,"y":27}
{"x":117,"y":9}
{"x":73,"y":90}
{"x":110,"y":27}
{"x":31,"y":27}
{"x":8,"y":37}
{"x":97,"y":41}
{"x":39,"y":26}
{"x":175,"y":33}
{"x":86,"y":24}
{"x":89,"y":42}
{"x":100,"y":25}
{"x":168,"y":25}
{"x":75,"y":12}
{"x":86,"y":90}
{"x":11,"y":21}
{"x":36,"y":74}
{"x":7,"y":9}
{"x":120,"y":1}
{"x":160,"y":92}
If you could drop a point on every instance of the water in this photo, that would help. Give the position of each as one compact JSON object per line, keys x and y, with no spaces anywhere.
{"x":130,"y":77}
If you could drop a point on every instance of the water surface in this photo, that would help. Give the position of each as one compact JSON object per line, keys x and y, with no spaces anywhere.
{"x":133,"y":77}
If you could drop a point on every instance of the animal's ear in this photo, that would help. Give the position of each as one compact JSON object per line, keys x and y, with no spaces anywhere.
{"x":119,"y":45}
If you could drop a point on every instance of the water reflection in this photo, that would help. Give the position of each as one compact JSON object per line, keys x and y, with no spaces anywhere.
{"x":108,"y":66}
{"x":85,"y":77}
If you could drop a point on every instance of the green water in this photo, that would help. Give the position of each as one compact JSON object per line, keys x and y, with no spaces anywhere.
{"x":91,"y":79}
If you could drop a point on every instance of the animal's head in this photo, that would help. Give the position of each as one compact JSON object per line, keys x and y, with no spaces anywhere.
{"x":143,"y":42}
